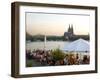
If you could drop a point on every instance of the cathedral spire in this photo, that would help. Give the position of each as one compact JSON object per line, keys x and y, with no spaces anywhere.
{"x":72,"y":28}
{"x":69,"y":28}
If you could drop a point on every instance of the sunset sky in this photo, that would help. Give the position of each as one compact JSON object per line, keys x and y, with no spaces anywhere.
{"x":56,"y":24}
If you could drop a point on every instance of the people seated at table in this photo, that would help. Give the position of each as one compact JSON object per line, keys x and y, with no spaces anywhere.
{"x":45,"y":58}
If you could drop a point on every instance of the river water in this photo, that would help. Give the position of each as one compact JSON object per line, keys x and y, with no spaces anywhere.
{"x":48,"y":45}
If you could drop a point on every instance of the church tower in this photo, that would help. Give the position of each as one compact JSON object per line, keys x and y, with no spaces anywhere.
{"x":71,"y":29}
{"x":69,"y":33}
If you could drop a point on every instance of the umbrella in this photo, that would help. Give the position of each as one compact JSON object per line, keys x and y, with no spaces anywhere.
{"x":79,"y":45}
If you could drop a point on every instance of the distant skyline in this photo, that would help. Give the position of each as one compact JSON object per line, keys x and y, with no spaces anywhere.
{"x":56,"y":24}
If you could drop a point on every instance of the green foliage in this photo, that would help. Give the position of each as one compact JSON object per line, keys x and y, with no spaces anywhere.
{"x":29,"y":63}
{"x":58,"y":54}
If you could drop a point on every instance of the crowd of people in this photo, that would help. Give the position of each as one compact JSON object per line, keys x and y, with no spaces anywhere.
{"x":45,"y":58}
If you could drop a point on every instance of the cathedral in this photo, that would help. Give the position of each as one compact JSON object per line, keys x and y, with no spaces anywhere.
{"x":69,"y":33}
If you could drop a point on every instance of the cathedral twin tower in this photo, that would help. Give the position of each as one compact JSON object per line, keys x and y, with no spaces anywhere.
{"x":70,"y":29}
{"x":70,"y":32}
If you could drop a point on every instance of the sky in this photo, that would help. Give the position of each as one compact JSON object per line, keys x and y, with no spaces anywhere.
{"x":56,"y":24}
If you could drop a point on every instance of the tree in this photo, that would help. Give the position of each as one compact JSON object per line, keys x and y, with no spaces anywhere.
{"x":58,"y":54}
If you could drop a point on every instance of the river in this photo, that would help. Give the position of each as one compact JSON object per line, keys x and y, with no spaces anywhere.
{"x":48,"y":46}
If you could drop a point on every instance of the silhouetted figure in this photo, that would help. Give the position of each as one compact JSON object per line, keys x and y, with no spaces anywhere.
{"x":85,"y":60}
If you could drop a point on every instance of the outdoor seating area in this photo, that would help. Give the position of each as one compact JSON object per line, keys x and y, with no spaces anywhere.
{"x":50,"y":58}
